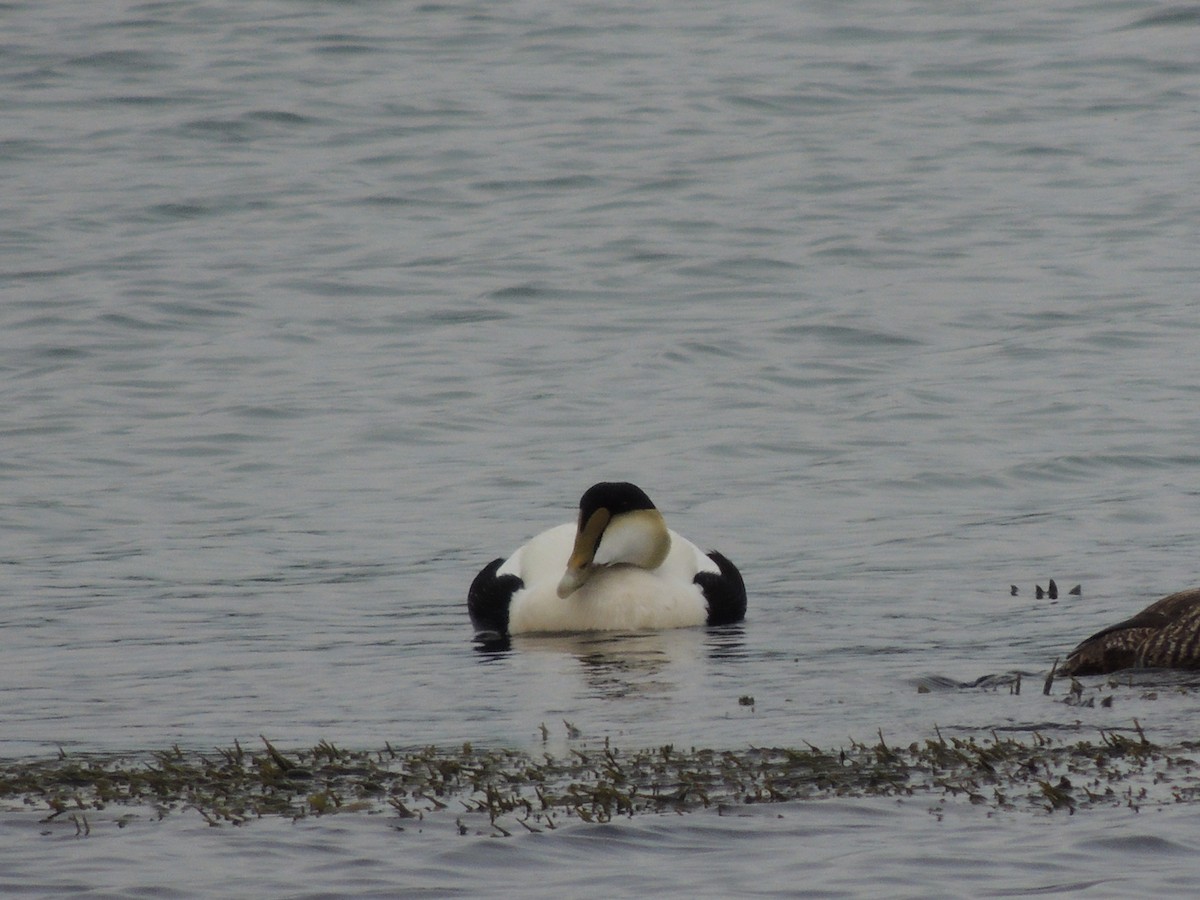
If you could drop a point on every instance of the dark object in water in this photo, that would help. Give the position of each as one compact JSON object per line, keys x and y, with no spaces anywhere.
{"x":1012,"y":590}
{"x":1051,"y":591}
{"x":1164,"y":635}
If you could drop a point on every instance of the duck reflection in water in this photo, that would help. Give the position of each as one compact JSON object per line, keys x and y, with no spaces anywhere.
{"x":623,"y":664}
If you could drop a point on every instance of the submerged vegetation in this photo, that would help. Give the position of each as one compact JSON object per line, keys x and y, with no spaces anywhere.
{"x":494,"y":791}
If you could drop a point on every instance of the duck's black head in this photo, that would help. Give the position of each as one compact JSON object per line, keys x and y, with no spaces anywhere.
{"x":615,"y":496}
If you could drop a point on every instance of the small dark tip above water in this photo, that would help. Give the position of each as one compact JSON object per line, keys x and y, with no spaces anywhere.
{"x":1050,"y":592}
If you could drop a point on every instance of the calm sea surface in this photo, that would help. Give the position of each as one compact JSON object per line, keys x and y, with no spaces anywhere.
{"x":310,"y":309}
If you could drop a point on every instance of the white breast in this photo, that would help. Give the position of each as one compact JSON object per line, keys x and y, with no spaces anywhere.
{"x":614,"y":598}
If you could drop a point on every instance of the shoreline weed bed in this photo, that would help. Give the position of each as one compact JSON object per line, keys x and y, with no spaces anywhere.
{"x":498,"y":791}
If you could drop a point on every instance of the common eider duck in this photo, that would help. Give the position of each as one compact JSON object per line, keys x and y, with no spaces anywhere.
{"x":1164,"y":635}
{"x":619,"y":568}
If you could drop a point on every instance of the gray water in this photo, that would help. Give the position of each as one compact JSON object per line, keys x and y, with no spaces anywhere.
{"x":310,"y":309}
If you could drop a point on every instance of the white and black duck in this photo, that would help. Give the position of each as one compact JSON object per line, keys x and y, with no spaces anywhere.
{"x":619,"y":568}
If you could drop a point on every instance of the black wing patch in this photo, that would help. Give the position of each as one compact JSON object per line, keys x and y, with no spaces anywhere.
{"x":489,"y":597}
{"x":724,"y":592}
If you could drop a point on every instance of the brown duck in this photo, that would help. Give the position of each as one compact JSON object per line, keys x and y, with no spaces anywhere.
{"x":1164,"y":635}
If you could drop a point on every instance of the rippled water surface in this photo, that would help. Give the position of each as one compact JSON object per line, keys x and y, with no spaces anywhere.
{"x":310,"y":309}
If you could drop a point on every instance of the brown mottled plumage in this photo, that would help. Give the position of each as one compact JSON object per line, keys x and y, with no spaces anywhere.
{"x":1164,"y":635}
